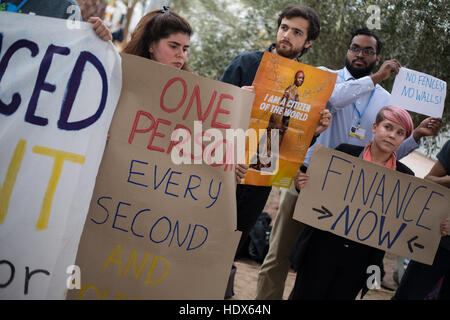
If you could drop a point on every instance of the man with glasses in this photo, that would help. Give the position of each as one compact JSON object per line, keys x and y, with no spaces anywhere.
{"x":354,"y":104}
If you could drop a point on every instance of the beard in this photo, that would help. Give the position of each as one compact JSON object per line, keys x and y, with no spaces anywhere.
{"x":359,"y":72}
{"x":288,"y":51}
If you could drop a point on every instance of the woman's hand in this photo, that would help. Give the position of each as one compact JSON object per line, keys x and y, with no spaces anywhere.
{"x":445,"y":227}
{"x":300,"y":180}
{"x":100,"y":28}
{"x":324,"y":123}
{"x":240,"y":170}
{"x":249,"y":88}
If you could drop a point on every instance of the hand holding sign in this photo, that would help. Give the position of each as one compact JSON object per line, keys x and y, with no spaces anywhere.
{"x":324,"y":122}
{"x":387,"y":68}
{"x":428,"y":127}
{"x":445,"y":227}
{"x":100,"y":28}
{"x":300,"y":180}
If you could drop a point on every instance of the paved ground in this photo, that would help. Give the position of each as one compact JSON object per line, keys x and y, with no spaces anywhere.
{"x":247,"y":270}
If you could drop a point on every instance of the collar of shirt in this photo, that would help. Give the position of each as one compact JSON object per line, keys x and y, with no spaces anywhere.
{"x":271,"y":47}
{"x":347,"y":75}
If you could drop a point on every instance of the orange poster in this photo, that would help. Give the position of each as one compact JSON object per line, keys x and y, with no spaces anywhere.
{"x":286,"y":111}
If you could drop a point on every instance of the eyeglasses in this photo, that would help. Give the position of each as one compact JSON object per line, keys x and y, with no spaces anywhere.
{"x":366,"y":51}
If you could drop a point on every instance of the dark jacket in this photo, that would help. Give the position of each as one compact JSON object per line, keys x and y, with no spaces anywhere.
{"x":242,"y":69}
{"x":374,"y":256}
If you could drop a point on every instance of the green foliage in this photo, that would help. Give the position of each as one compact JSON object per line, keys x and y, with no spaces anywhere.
{"x":220,"y":34}
{"x":413,"y":32}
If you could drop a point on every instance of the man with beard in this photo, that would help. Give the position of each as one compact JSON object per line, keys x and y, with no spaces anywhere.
{"x":298,"y":27}
{"x":354,"y":104}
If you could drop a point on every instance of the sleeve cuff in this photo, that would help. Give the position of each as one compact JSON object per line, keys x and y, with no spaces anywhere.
{"x":412,"y":143}
{"x":367,"y":83}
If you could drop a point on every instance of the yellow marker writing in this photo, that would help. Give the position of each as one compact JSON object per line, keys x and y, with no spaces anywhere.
{"x":97,"y":291}
{"x":117,"y":260}
{"x":60,"y":157}
{"x":10,"y":179}
{"x":152,"y":269}
{"x":133,"y":261}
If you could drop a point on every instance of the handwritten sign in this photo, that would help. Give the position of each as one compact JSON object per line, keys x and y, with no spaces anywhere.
{"x":373,"y":205}
{"x":58,"y":92}
{"x":286,"y":111}
{"x":419,"y":92}
{"x":155,"y":229}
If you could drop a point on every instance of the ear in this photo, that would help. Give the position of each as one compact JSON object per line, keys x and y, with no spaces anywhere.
{"x":150,"y":48}
{"x":374,"y":127}
{"x":377,"y":60}
{"x":308,"y":43}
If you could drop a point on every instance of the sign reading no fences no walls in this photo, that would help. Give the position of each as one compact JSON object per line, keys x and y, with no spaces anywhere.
{"x":419,"y":92}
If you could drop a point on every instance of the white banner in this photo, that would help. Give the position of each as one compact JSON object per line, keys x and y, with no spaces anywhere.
{"x":59,"y":87}
{"x":419,"y":92}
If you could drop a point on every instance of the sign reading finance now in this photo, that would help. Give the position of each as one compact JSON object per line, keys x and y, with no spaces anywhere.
{"x":373,"y":205}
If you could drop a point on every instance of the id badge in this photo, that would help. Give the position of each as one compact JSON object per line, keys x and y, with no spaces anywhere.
{"x":357,"y":132}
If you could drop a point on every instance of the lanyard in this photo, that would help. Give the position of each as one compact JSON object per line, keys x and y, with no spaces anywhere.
{"x":12,"y":8}
{"x":360,"y":115}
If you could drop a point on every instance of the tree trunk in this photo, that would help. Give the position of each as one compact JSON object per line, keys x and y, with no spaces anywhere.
{"x":126,"y":28}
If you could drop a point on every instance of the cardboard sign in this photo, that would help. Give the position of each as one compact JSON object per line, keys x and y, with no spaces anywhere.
{"x":419,"y":92}
{"x":58,"y":91}
{"x":157,"y":230}
{"x":373,"y":205}
{"x":286,"y":111}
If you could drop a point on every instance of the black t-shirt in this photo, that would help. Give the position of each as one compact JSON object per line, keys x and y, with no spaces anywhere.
{"x":444,"y":158}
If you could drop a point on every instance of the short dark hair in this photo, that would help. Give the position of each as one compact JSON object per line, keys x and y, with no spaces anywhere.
{"x":367,"y":32}
{"x":307,"y":13}
{"x":304,"y":12}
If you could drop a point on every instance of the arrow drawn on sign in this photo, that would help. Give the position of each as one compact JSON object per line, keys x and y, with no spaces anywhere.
{"x":417,"y":245}
{"x":326,"y":213}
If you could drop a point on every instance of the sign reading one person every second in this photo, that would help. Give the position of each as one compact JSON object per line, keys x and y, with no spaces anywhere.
{"x":157,"y":229}
{"x":419,"y":92}
{"x":373,"y":205}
